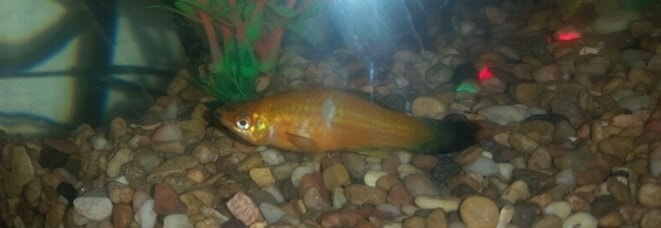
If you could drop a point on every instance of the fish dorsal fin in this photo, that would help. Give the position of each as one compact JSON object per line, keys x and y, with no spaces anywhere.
{"x":304,"y":143}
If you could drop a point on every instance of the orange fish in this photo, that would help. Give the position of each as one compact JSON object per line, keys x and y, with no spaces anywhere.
{"x":324,"y":120}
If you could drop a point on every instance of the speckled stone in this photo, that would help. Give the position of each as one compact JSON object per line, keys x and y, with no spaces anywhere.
{"x":335,"y":175}
{"x":244,"y":209}
{"x":360,"y":194}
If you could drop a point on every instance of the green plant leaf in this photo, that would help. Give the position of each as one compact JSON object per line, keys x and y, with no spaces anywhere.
{"x":282,"y":11}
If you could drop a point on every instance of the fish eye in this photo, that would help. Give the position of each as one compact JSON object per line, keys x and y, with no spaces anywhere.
{"x":243,"y":123}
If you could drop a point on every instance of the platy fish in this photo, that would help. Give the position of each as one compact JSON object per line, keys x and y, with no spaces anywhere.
{"x":325,"y":120}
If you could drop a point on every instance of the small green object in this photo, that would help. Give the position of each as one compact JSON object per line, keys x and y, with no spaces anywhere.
{"x":468,"y":87}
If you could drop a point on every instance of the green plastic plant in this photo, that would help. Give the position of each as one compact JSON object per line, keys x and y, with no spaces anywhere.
{"x":249,"y":44}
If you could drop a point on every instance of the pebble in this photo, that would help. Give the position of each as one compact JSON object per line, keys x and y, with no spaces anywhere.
{"x":314,"y":200}
{"x":397,"y":195}
{"x":336,"y":175}
{"x":175,"y":147}
{"x":548,"y":221}
{"x":516,"y":191}
{"x":115,"y":164}
{"x":372,"y":176}
{"x":448,"y":204}
{"x":614,"y":21}
{"x":569,"y":107}
{"x":272,"y":157}
{"x":146,"y":216}
{"x":413,"y":222}
{"x":436,"y":218}
{"x":275,"y":192}
{"x":51,"y":158}
{"x":168,"y":132}
{"x":167,"y":200}
{"x":22,"y":170}
{"x":540,"y":159}
{"x":118,"y":193}
{"x":355,"y":164}
{"x":418,"y":184}
{"x":547,"y":73}
{"x":648,"y":194}
{"x":483,"y":166}
{"x":479,"y":211}
{"x":299,"y":172}
{"x":244,"y":209}
{"x":360,"y":195}
{"x":122,"y":215}
{"x":94,"y":208}
{"x":651,"y":219}
{"x":424,"y":161}
{"x":339,"y":198}
{"x":428,"y":107}
{"x":504,"y":114}
{"x":562,"y":209}
{"x":252,"y":161}
{"x":204,"y":154}
{"x":523,"y":143}
{"x":176,"y":165}
{"x":262,"y":176}
{"x":405,"y":170}
{"x":271,"y":212}
{"x":176,"y":221}
{"x":580,"y":220}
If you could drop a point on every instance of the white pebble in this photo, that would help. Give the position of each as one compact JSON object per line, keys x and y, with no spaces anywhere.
{"x":565,"y":177}
{"x":560,"y":208}
{"x":372,"y":176}
{"x":99,"y":143}
{"x":176,"y":221}
{"x":299,"y":172}
{"x":272,"y":156}
{"x":505,"y":170}
{"x":271,"y":212}
{"x":94,"y":208}
{"x":339,"y":199}
{"x":146,"y":216}
{"x":483,"y":166}
{"x":448,"y":204}
{"x":168,"y":132}
{"x":404,"y":157}
{"x":503,"y":114}
{"x":580,"y":220}
{"x":405,"y":170}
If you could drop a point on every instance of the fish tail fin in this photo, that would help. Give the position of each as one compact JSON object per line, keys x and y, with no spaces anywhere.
{"x":450,"y":135}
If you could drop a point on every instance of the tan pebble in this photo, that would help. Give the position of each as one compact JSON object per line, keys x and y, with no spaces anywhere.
{"x":516,"y":191}
{"x":612,"y":219}
{"x":115,"y":164}
{"x":522,"y":142}
{"x":436,"y":218}
{"x":414,"y":222}
{"x":502,"y":139}
{"x":262,"y":176}
{"x":119,"y":193}
{"x":386,"y":182}
{"x":548,"y":221}
{"x":360,"y":194}
{"x":617,"y":145}
{"x":527,"y":93}
{"x":118,"y":127}
{"x":428,"y":107}
{"x":192,"y":129}
{"x":648,"y":195}
{"x":651,"y":219}
{"x":176,"y":165}
{"x":178,"y":83}
{"x":540,"y":159}
{"x":252,"y":161}
{"x":479,"y":211}
{"x":469,"y":155}
{"x":22,"y":170}
{"x":262,"y":83}
{"x":55,"y":214}
{"x":335,"y":175}
{"x":176,"y":147}
{"x":196,"y":174}
{"x":505,"y":217}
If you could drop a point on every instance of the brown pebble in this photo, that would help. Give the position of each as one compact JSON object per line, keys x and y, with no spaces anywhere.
{"x":424,"y":161}
{"x":399,"y":196}
{"x":414,"y":222}
{"x":648,"y":195}
{"x":437,"y":219}
{"x":361,"y":194}
{"x":166,"y":200}
{"x":479,"y":211}
{"x":122,"y":215}
{"x":335,"y":175}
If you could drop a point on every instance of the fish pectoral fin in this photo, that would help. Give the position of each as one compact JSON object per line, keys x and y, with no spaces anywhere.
{"x":304,"y":143}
